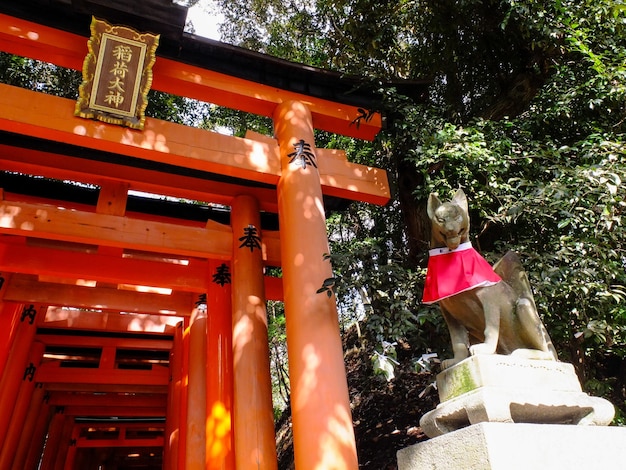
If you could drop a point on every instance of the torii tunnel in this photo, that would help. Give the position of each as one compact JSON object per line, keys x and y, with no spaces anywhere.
{"x":133,"y":330}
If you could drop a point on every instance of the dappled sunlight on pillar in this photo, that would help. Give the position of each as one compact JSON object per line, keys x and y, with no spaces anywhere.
{"x":242,"y":335}
{"x":218,"y":430}
{"x":308,"y":382}
{"x":312,"y":207}
{"x":336,"y":437}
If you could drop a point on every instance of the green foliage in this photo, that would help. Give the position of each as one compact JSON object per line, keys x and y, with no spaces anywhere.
{"x":176,"y":109}
{"x":384,"y":360}
{"x":279,"y":366}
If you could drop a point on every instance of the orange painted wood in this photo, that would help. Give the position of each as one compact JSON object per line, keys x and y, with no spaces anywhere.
{"x":107,"y":358}
{"x":338,"y":176}
{"x":120,"y":411}
{"x":50,"y":117}
{"x":70,"y":224}
{"x":152,"y":344}
{"x":17,"y":257}
{"x":9,"y":319}
{"x":219,"y":420}
{"x":64,"y":444}
{"x":40,"y":163}
{"x":241,"y":94}
{"x":64,"y":318}
{"x":17,"y":424}
{"x":14,"y":370}
{"x":173,"y":423}
{"x":53,"y":440}
{"x":274,"y":288}
{"x":100,"y":401}
{"x":97,"y":267}
{"x":184,"y":399}
{"x":196,"y":392}
{"x":87,"y":443}
{"x":36,"y":447}
{"x":48,"y":221}
{"x":322,"y":423}
{"x":51,"y":372}
{"x":112,"y":198}
{"x":42,"y":43}
{"x":271,"y":247}
{"x":70,"y":458}
{"x":23,"y":287}
{"x":121,"y":428}
{"x":104,"y":388}
{"x":68,"y":50}
{"x":253,"y":412}
{"x":32,"y":439}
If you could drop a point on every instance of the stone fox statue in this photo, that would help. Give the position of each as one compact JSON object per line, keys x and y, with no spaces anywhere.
{"x":487,"y":310}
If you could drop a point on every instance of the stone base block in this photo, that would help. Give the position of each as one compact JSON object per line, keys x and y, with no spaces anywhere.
{"x":504,"y":405}
{"x":506,"y":389}
{"x":513,"y":446}
{"x":496,"y":370}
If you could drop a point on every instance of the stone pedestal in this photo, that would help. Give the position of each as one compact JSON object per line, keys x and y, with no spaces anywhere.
{"x":505,"y":389}
{"x":507,"y":446}
{"x":503,"y":412}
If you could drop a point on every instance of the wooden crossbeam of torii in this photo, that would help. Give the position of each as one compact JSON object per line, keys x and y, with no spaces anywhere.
{"x":68,"y":50}
{"x":28,"y":113}
{"x":102,"y":401}
{"x":122,"y":434}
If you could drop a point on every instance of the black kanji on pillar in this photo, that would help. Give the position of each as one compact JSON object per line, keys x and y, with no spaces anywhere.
{"x":29,"y":312}
{"x":222,"y":274}
{"x":201,"y":302}
{"x":303,"y":155}
{"x":29,"y":372}
{"x":250,"y":238}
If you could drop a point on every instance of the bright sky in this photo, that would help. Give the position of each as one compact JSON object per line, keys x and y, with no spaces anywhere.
{"x":205,"y":19}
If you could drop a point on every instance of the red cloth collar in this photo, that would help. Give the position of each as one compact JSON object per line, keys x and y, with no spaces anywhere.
{"x":451,"y":272}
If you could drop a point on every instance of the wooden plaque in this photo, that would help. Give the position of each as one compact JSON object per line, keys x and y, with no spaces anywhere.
{"x":117,"y":75}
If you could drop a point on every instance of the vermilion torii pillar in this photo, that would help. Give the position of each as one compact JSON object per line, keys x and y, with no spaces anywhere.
{"x":196,"y":392}
{"x":173,"y":421}
{"x":22,"y":403}
{"x":219,"y":409}
{"x":9,"y":320}
{"x":255,"y":445}
{"x":322,"y":423}
{"x":15,"y":365}
{"x":33,"y":432}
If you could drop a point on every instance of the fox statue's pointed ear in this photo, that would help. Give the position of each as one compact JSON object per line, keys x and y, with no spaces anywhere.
{"x":433,"y":204}
{"x":460,"y":199}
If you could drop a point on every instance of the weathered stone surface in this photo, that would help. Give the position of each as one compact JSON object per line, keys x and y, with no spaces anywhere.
{"x":505,"y":371}
{"x":505,"y":389}
{"x":506,"y":446}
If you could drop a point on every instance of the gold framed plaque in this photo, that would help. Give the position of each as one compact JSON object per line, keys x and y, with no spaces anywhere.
{"x":117,"y":75}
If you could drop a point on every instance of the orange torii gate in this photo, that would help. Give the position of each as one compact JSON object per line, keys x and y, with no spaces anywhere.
{"x":100,"y":314}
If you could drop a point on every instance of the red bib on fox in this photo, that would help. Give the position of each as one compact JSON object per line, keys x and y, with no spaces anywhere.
{"x":451,"y":272}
